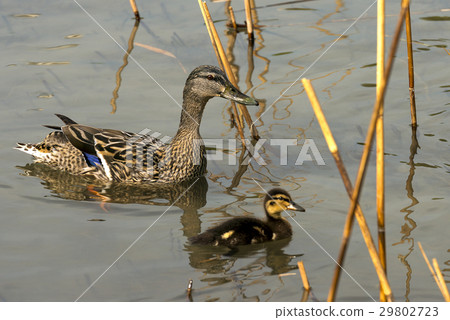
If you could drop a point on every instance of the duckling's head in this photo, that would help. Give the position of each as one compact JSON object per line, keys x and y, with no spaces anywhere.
{"x":206,"y":82}
{"x":278,"y":200}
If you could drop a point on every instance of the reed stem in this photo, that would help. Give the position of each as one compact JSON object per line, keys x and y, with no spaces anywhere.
{"x":232,"y":18}
{"x":220,"y":54}
{"x":349,"y":220}
{"x":380,"y":142}
{"x":412,"y":93}
{"x":249,"y":20}
{"x":303,"y":275}
{"x":189,"y":290}
{"x":441,"y":284}
{"x":368,"y":144}
{"x":429,"y":264}
{"x":222,"y":58}
{"x":135,"y":10}
{"x":210,"y":32}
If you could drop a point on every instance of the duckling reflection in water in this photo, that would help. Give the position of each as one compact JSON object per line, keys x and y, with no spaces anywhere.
{"x":243,"y":230}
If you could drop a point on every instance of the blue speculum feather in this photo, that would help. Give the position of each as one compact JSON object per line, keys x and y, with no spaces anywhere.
{"x":91,"y":159}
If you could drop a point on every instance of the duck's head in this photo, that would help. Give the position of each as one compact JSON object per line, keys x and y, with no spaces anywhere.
{"x":278,"y":200}
{"x":206,"y":82}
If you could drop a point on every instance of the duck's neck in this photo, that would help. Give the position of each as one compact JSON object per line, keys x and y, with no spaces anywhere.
{"x":191,"y":115}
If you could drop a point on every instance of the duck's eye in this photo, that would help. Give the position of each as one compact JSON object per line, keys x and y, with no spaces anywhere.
{"x":210,"y":77}
{"x":272,"y":203}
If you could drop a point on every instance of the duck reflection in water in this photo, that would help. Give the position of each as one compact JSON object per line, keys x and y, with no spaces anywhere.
{"x":220,"y":260}
{"x":189,"y":196}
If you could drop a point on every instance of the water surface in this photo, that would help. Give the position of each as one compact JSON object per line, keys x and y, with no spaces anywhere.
{"x":57,"y":236}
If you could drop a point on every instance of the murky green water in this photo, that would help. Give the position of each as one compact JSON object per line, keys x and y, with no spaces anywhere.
{"x":58,"y":234}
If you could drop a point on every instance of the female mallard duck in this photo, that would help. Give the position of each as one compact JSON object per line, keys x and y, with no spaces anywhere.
{"x":241,"y":231}
{"x":115,"y":155}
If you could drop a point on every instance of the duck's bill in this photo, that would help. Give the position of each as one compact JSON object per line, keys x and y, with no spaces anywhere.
{"x":295,"y":207}
{"x":233,"y":94}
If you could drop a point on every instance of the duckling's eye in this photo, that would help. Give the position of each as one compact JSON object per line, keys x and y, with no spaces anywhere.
{"x":210,"y":77}
{"x":272,"y":203}
{"x":281,"y":199}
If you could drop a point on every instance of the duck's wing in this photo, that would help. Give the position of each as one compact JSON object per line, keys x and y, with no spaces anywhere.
{"x":84,"y":137}
{"x":129,"y":156}
{"x":118,"y":153}
{"x":63,"y":118}
{"x":113,"y":145}
{"x":126,"y":147}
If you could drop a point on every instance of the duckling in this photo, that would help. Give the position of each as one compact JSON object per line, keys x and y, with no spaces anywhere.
{"x":113,"y":155}
{"x":243,"y":230}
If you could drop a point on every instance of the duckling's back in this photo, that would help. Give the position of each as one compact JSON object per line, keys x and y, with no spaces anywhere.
{"x":235,"y":232}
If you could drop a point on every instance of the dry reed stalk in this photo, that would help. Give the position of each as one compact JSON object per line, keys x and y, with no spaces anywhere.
{"x":380,"y":141}
{"x":305,"y":281}
{"x":442,"y":286}
{"x":211,"y":36}
{"x":189,"y":290}
{"x":216,"y":45}
{"x":305,"y":295}
{"x":227,"y":68}
{"x":412,"y":94}
{"x":373,"y":121}
{"x":349,"y":220}
{"x":429,"y":265}
{"x":248,"y":19}
{"x":233,"y":19}
{"x":135,"y":10}
{"x":287,"y":274}
{"x":366,"y":152}
{"x":376,"y":111}
{"x":161,"y":51}
{"x":303,"y":275}
{"x":251,"y":66}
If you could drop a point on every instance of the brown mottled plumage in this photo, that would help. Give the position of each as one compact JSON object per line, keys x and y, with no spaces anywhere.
{"x":57,"y":152}
{"x":114,"y":155}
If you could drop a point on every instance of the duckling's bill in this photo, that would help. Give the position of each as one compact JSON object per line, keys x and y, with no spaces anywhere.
{"x":295,"y":207}
{"x":233,"y":94}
